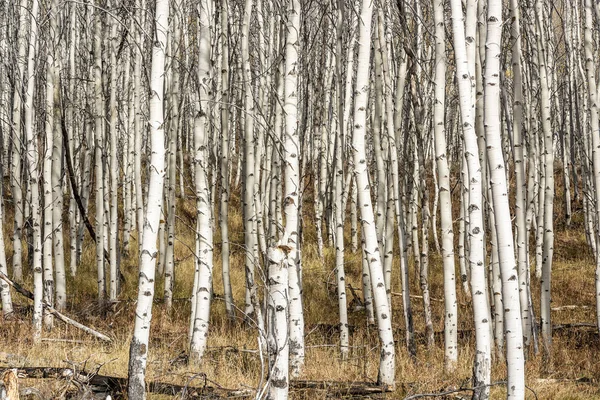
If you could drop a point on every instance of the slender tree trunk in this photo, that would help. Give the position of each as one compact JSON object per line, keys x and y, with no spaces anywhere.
{"x":548,"y":188}
{"x":225,"y":160}
{"x":443,"y":174}
{"x":32,"y":162}
{"x":387,"y":360}
{"x":481,"y":312}
{"x":138,"y":351}
{"x":16,"y":164}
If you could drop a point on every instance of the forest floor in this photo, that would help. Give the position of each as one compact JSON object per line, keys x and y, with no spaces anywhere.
{"x":233,"y":362}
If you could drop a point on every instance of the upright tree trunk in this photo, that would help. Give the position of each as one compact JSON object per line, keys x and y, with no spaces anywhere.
{"x":225,"y":160}
{"x":443,"y":178}
{"x":548,"y":188}
{"x":481,"y":312}
{"x":138,"y":351}
{"x":291,"y":196}
{"x":203,"y":292}
{"x":387,"y":360}
{"x":32,"y":161}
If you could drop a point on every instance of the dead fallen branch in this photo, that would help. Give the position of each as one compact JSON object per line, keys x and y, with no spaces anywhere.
{"x":569,"y":307}
{"x":459,"y":390}
{"x":340,"y":388}
{"x":20,"y":289}
{"x":116,"y":386}
{"x":575,"y":325}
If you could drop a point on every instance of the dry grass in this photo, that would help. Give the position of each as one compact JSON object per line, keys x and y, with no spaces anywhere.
{"x":573,"y":374}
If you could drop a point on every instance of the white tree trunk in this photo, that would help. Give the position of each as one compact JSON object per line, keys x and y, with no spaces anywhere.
{"x":548,"y":188}
{"x":32,"y":161}
{"x":203,"y":291}
{"x":16,"y":165}
{"x":225,"y":160}
{"x":138,"y":351}
{"x":443,"y":178}
{"x":481,"y":312}
{"x":113,"y":236}
{"x":291,"y":196}
{"x":504,"y":235}
{"x":387,"y":360}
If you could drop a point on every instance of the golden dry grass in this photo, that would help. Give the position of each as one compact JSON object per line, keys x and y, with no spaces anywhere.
{"x":573,"y":374}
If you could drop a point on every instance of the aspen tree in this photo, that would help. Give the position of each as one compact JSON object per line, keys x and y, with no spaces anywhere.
{"x":250,"y":235}
{"x":291,"y":196}
{"x":138,"y":351}
{"x":174,"y":128}
{"x":520,"y":178}
{"x":137,"y":123}
{"x":17,"y":138}
{"x":481,"y":312}
{"x":443,"y":174}
{"x":508,"y":269}
{"x":5,"y":297}
{"x":399,"y":209}
{"x":387,"y":360}
{"x":225,"y":159}
{"x":548,"y":187}
{"x":48,"y":228}
{"x":278,"y":320}
{"x":99,"y":145}
{"x":113,"y":236}
{"x":33,"y":154}
{"x":203,"y":277}
{"x":590,"y":68}
{"x":338,"y":203}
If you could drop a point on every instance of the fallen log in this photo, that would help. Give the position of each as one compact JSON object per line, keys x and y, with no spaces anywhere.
{"x":340,"y":388}
{"x":20,"y":289}
{"x":117,"y":386}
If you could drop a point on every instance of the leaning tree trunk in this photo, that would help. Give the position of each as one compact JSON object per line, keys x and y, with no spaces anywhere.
{"x":138,"y":351}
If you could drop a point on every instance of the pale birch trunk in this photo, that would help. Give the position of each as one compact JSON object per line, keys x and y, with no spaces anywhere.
{"x":16,"y":164}
{"x":481,"y":312}
{"x":252,"y":309}
{"x":47,"y":232}
{"x":5,"y":297}
{"x":522,"y":241}
{"x":203,"y":292}
{"x":548,"y":188}
{"x":113,"y":235}
{"x":174,"y":104}
{"x":291,"y":196}
{"x":443,"y":179}
{"x":32,"y":162}
{"x":595,"y":127}
{"x":138,"y":351}
{"x":99,"y":145}
{"x":225,"y":160}
{"x":387,"y":360}
{"x":338,"y":202}
{"x":277,"y":304}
